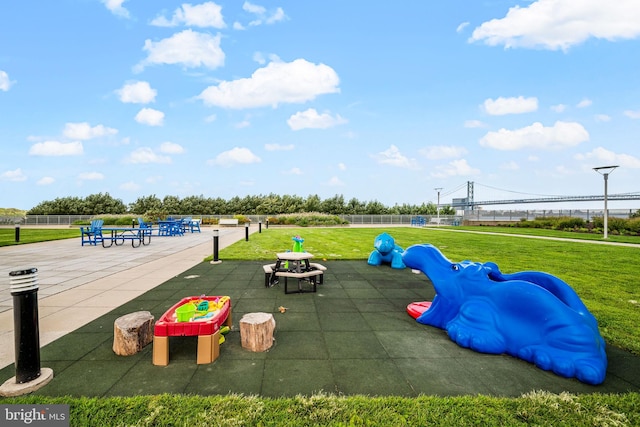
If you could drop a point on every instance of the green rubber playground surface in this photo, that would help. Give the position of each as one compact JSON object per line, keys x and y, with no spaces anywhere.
{"x":352,"y":337}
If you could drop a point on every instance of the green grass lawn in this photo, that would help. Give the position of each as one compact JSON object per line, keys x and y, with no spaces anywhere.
{"x":33,"y":235}
{"x":604,"y":276}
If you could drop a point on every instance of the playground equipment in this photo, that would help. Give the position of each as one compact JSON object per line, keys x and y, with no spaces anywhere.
{"x":530,"y":315}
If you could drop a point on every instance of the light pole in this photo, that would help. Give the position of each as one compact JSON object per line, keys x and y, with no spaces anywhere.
{"x":605,"y":171}
{"x":438,"y":205}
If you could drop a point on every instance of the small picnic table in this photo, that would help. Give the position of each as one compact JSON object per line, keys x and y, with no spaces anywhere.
{"x":118,"y":235}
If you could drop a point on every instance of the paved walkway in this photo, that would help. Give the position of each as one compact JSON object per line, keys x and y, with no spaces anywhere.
{"x":78,"y":284}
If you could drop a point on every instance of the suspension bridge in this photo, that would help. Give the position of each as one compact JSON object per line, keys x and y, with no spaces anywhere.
{"x":469,"y":202}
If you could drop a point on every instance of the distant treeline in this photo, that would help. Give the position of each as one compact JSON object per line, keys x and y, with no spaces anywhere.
{"x":272,"y":204}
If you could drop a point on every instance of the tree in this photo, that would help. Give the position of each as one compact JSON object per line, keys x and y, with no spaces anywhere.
{"x":334,"y":205}
{"x":145,"y":204}
{"x":96,"y":204}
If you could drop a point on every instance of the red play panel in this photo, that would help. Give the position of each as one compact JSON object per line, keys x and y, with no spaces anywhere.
{"x":415,"y":309}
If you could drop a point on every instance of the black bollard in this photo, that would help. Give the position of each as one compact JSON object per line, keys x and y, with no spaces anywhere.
{"x":24,"y":289}
{"x":216,"y":234}
{"x":246,"y":231}
{"x":259,"y":226}
{"x":17,"y":233}
{"x":267,"y":223}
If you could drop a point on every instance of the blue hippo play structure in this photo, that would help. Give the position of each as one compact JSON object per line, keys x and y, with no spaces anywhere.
{"x":386,"y":252}
{"x":530,"y":315}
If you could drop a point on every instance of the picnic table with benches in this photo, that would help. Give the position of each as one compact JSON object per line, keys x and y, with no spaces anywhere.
{"x":118,"y":235}
{"x":294,"y":265}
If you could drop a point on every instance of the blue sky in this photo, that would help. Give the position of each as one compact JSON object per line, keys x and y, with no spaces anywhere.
{"x":374,"y":100}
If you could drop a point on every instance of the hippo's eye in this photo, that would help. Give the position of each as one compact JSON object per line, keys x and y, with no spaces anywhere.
{"x":455,"y":267}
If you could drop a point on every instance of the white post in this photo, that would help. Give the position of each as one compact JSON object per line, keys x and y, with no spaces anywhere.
{"x":438,"y":206}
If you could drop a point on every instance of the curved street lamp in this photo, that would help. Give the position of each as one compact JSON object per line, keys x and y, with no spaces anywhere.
{"x":605,"y":171}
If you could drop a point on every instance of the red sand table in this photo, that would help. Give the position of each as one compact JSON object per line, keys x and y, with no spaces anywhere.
{"x":207,"y":331}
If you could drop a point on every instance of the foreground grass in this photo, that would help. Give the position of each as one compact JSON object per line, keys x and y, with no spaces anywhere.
{"x":532,"y":409}
{"x":604,"y":277}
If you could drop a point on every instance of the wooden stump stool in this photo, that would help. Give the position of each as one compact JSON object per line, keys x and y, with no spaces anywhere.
{"x":256,"y":331}
{"x":132,"y":332}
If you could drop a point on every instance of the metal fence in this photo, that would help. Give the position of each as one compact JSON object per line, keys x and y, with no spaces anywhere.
{"x":476,"y":215}
{"x":519,"y":215}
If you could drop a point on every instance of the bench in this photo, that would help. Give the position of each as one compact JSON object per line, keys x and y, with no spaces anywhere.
{"x":311,"y":276}
{"x":316,"y":266}
{"x":93,"y":233}
{"x":228,"y":221}
{"x":268,"y":271}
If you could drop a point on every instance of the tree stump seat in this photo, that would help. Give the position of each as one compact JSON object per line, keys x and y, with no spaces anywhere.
{"x":132,"y":332}
{"x":256,"y":331}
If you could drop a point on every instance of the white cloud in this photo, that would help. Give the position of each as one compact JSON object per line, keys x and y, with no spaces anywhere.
{"x":15,"y":175}
{"x":560,"y":24}
{"x":510,"y":166}
{"x":56,"y":148}
{"x":261,"y":15}
{"x":310,"y":119}
{"x":279,"y":82}
{"x":559,"y":108}
{"x":188,"y":48}
{"x":151,"y":117}
{"x":584,"y":103}
{"x":537,"y":136}
{"x":85,"y":131}
{"x":243,"y":124}
{"x":203,"y":15}
{"x":46,"y":180}
{"x":137,"y":93}
{"x":90,"y":176}
{"x":632,"y":114}
{"x":474,"y":124}
{"x":130,"y":186}
{"x":392,"y":156}
{"x":259,"y":58}
{"x":238,"y":26}
{"x":254,"y":8}
{"x":602,"y":118}
{"x":342,"y":166}
{"x":115,"y":6}
{"x":437,"y":152}
{"x":153,"y":179}
{"x":293,"y":171}
{"x":171,"y":148}
{"x":146,"y":155}
{"x":278,"y":147}
{"x":334,"y":181}
{"x":461,"y":27}
{"x":604,"y":156}
{"x":211,"y":118}
{"x":5,"y":83}
{"x":237,"y":155}
{"x":503,"y":106}
{"x":458,"y":167}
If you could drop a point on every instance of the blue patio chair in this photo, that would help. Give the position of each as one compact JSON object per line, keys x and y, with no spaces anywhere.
{"x":194,"y":225}
{"x":92,"y":234}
